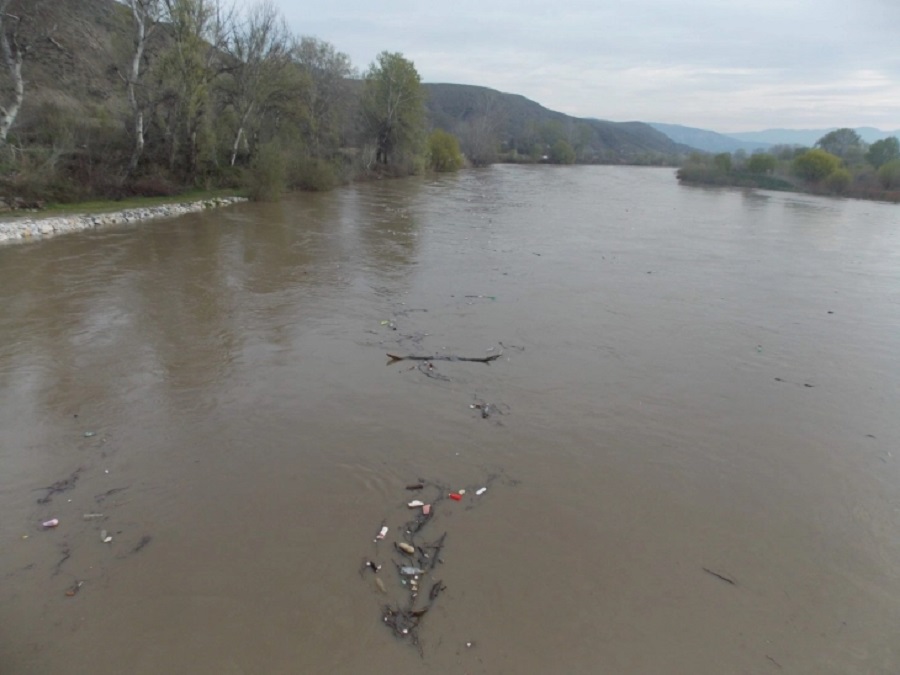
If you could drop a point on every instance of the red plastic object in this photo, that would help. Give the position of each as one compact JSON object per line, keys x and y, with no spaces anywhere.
{"x":455,"y":496}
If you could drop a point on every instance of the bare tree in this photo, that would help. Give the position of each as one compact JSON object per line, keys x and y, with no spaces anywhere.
{"x":260,"y":47}
{"x":479,"y":133}
{"x":13,"y":55}
{"x":146,"y":14}
{"x":199,"y":30}
{"x":325,"y":95}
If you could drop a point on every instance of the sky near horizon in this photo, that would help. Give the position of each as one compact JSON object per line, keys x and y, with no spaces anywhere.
{"x":725,"y":65}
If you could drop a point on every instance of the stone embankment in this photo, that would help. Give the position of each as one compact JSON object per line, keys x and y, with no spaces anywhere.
{"x":30,"y":229}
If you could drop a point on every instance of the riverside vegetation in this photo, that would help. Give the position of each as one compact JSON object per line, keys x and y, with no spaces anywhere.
{"x":840,"y":163}
{"x":112,"y":99}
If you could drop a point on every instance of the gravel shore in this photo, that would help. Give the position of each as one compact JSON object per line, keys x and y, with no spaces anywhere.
{"x":30,"y":229}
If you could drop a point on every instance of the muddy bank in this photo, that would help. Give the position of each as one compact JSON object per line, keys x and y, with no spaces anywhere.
{"x":29,"y":229}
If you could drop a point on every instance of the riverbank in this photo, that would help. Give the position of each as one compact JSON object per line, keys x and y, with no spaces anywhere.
{"x":21,"y":230}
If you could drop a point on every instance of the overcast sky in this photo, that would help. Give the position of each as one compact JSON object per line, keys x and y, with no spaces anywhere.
{"x":726,"y":65}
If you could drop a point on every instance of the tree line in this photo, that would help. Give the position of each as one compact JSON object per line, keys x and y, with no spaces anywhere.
{"x":206,"y":94}
{"x":839,"y":163}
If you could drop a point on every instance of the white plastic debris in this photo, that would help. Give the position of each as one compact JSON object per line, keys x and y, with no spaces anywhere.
{"x":480,"y":491}
{"x":382,"y":533}
{"x":415,"y":503}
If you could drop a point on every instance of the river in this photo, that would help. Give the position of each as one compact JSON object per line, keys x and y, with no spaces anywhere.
{"x":692,"y":451}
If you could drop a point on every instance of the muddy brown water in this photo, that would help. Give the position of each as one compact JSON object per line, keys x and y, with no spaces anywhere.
{"x":690,"y":380}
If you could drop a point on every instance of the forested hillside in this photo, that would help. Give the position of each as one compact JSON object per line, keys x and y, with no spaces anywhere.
{"x":101,"y":98}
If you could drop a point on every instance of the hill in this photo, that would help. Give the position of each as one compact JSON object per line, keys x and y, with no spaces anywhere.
{"x":525,"y":127}
{"x":708,"y":141}
{"x":806,"y":137}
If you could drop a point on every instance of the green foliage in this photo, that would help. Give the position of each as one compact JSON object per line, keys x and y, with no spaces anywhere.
{"x":883,"y":151}
{"x":443,"y":152}
{"x":393,"y":110}
{"x":762,"y":163}
{"x":889,"y":175}
{"x":324,"y":93}
{"x":312,"y":173}
{"x":722,"y":162}
{"x":844,"y":143}
{"x":562,"y":152}
{"x":815,"y":165}
{"x":838,"y":181}
{"x":266,"y":177}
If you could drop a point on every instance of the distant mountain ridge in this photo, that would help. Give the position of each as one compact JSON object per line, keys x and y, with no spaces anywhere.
{"x":519,"y":123}
{"x":807,"y":137}
{"x":708,"y":141}
{"x":713,"y":141}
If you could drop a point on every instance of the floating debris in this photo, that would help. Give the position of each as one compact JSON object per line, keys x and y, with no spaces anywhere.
{"x":410,"y":571}
{"x":409,"y":549}
{"x":53,"y":522}
{"x":382,"y":533}
{"x":414,"y":504}
{"x":455,"y":496}
{"x":480,"y":491}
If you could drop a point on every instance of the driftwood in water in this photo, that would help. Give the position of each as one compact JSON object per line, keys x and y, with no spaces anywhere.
{"x":442,"y":357}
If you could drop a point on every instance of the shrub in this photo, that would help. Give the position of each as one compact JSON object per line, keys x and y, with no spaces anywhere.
{"x":312,"y":173}
{"x":265,"y":179}
{"x":443,"y":152}
{"x":722,"y":162}
{"x":889,"y":175}
{"x":838,"y":181}
{"x":761,"y":162}
{"x":562,"y":153}
{"x":815,"y":165}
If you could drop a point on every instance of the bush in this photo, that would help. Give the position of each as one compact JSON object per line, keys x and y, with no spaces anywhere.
{"x":313,"y":174}
{"x":265,"y":179}
{"x":815,"y":165}
{"x":889,"y":175}
{"x":443,"y":152}
{"x":761,"y":162}
{"x":722,"y":162}
{"x":838,"y":181}
{"x":562,"y":153}
{"x":155,"y":185}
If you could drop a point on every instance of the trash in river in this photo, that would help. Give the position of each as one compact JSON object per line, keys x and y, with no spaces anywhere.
{"x":88,"y":434}
{"x":415,"y":486}
{"x":74,"y":588}
{"x":485,"y":409}
{"x":104,"y":537}
{"x":382,"y":533}
{"x":92,"y":516}
{"x":53,"y":522}
{"x":60,"y":486}
{"x":411,"y":587}
{"x":480,"y":491}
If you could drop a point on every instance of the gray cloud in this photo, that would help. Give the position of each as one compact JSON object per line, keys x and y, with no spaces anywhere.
{"x":711,"y":63}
